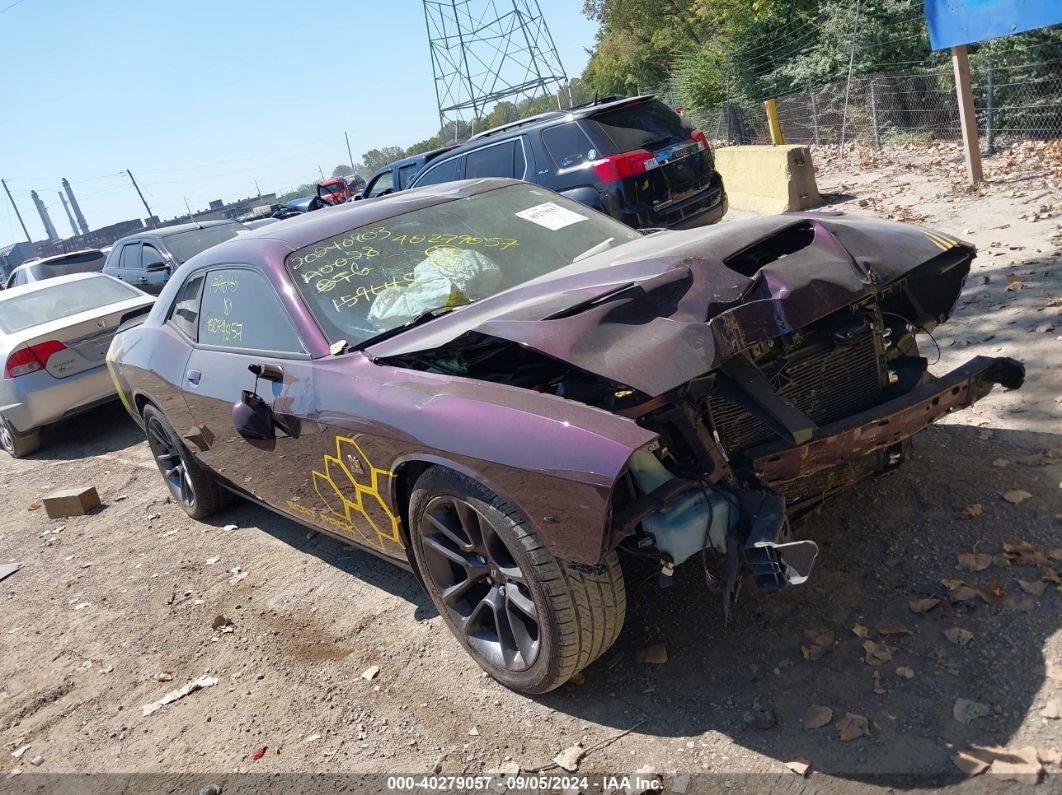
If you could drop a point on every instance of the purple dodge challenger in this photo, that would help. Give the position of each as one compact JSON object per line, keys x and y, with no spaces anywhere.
{"x":507,"y":392}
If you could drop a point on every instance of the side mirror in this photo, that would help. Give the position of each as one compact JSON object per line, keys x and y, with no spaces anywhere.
{"x":253,"y":418}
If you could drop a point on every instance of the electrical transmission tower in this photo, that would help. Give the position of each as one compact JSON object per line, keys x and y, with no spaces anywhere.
{"x":484,"y":51}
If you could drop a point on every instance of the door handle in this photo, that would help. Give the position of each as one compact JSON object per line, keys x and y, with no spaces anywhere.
{"x":194,"y":377}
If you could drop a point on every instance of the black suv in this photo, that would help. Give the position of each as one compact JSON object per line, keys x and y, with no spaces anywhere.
{"x":147,"y":259}
{"x":632,"y":158}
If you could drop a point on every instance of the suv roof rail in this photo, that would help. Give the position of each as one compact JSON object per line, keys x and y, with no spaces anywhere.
{"x":549,"y":114}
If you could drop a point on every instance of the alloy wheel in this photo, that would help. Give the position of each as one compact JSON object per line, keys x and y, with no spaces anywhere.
{"x":170,"y":458}
{"x":480,"y":583}
{"x":7,"y":441}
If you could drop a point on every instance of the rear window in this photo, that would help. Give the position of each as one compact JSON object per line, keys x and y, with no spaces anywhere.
{"x":568,"y":145}
{"x":20,"y":312}
{"x":645,"y":125}
{"x":185,"y":245}
{"x":80,"y":263}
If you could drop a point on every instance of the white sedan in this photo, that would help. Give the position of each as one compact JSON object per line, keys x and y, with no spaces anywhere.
{"x":54,"y":337}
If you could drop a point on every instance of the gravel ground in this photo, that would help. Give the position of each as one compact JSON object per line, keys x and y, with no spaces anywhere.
{"x":113,"y":610}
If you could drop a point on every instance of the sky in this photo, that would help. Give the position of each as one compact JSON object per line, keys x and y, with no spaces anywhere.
{"x":201,"y":99}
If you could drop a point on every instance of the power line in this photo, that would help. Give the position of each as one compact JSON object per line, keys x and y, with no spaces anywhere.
{"x":8,"y":8}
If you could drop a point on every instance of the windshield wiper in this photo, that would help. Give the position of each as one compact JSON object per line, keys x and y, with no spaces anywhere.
{"x":423,"y":317}
{"x":604,"y":245}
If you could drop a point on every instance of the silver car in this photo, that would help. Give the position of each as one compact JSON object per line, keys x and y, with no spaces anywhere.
{"x":54,"y":336}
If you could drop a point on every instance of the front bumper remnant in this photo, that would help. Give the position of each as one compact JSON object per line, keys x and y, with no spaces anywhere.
{"x":886,"y":425}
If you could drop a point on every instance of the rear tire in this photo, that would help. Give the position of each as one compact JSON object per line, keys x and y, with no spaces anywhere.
{"x":190,"y":485}
{"x":18,"y":445}
{"x":528,"y":619}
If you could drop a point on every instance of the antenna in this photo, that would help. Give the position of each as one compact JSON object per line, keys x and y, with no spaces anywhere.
{"x":484,"y":51}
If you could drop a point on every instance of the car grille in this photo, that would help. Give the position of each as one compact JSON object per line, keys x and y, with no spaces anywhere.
{"x":827,"y":385}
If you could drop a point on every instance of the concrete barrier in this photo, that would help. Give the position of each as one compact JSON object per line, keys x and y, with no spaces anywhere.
{"x":768,"y":179}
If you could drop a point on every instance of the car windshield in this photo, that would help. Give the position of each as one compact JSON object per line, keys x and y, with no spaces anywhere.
{"x":337,"y":188}
{"x":185,"y":245}
{"x":26,"y":309}
{"x":373,"y":279}
{"x":79,"y":263}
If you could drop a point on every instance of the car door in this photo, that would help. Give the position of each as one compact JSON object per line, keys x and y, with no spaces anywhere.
{"x":129,"y":265}
{"x":241,"y":323}
{"x":155,"y":268}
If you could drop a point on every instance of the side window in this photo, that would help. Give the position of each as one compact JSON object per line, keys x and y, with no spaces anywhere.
{"x":383,"y":185}
{"x":447,"y":171}
{"x":491,"y":161}
{"x":131,"y":256}
{"x":184,"y":314}
{"x":240,"y":310}
{"x":568,"y":145}
{"x":152,"y":256}
{"x":519,"y":161}
{"x":405,"y":175}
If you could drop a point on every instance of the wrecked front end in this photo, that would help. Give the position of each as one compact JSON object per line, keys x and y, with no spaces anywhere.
{"x":777,"y":363}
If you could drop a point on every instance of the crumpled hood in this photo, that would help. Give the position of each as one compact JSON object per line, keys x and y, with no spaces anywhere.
{"x":659,"y":311}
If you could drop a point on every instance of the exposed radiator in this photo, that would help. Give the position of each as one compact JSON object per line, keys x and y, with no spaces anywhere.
{"x":827,"y":382}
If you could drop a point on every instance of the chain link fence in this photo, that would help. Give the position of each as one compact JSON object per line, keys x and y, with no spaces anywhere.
{"x":1014,"y":102}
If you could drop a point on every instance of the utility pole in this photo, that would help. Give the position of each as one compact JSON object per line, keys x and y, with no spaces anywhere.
{"x":258,"y":189}
{"x":320,"y":171}
{"x":351,"y":156}
{"x":141,"y":195}
{"x":17,"y":213}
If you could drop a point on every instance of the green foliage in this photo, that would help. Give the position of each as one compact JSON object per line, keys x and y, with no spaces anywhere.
{"x":378,"y":158}
{"x":342,"y":170}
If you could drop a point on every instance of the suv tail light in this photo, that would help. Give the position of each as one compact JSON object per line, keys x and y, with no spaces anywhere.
{"x":700,"y":138}
{"x":617,"y":167}
{"x":30,"y":360}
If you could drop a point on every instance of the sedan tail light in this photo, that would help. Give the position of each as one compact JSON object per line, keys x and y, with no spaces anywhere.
{"x":32,"y":359}
{"x":700,"y":138}
{"x":627,"y":164}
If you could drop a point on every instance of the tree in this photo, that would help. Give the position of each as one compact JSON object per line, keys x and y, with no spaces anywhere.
{"x":342,"y":170}
{"x":378,"y":158}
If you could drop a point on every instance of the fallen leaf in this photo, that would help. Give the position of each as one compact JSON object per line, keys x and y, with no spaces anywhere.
{"x":992,"y":593}
{"x":860,"y":631}
{"x":877,"y":653}
{"x":958,"y":636}
{"x":1001,"y":462}
{"x":852,"y":727}
{"x":1016,"y":497}
{"x":258,"y":753}
{"x":1055,"y":554}
{"x":951,"y":585}
{"x":569,"y":758}
{"x":924,"y":605}
{"x":974,"y":561}
{"x":965,"y":710}
{"x":1033,"y":587}
{"x":971,"y":511}
{"x":893,"y":628}
{"x":969,"y":764}
{"x":33,"y":506}
{"x":817,"y":716}
{"x":878,"y":689}
{"x":653,"y":655}
{"x":905,"y":671}
{"x":820,"y":642}
{"x":802,"y":767}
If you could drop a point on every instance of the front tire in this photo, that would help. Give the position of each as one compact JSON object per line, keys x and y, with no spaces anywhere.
{"x":529,"y":620}
{"x":18,"y":445}
{"x":190,"y":485}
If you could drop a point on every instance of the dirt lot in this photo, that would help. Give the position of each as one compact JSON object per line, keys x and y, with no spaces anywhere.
{"x":113,"y":610}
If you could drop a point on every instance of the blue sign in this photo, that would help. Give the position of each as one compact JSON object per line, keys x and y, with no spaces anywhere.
{"x":955,"y":22}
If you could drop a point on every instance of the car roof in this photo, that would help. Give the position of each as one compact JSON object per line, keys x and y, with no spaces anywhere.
{"x":57,"y":257}
{"x":46,"y":284}
{"x":174,"y":229}
{"x":547,"y":118}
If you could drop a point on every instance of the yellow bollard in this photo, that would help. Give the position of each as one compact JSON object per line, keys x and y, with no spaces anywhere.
{"x":777,"y":138}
